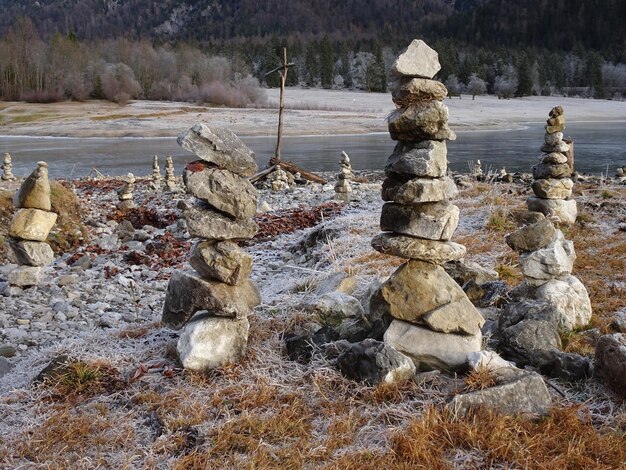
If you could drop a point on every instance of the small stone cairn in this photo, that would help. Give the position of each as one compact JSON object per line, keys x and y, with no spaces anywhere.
{"x":170,"y":178}
{"x":552,"y":185}
{"x":156,"y":173}
{"x":26,"y":245}
{"x":433,"y":321}
{"x":125,"y":194}
{"x":342,"y":187}
{"x":281,"y":180}
{"x":7,"y":168}
{"x":211,"y":302}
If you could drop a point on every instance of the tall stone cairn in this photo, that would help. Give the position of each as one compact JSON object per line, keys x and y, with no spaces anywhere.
{"x":125,"y":194}
{"x":342,"y":186}
{"x":7,"y":168}
{"x":170,"y":178}
{"x":26,"y":245}
{"x":156,"y":173}
{"x":211,"y":303}
{"x":552,"y":185}
{"x":433,"y":321}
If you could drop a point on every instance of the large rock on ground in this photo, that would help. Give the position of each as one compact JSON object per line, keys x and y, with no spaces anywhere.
{"x":568,"y":300}
{"x":530,"y":342}
{"x":34,"y":193}
{"x":204,"y":222}
{"x":28,"y":253}
{"x":407,"y":247}
{"x":207,"y":342}
{"x":223,"y":261}
{"x":188,"y":293}
{"x":32,"y":224}
{"x":221,"y":147}
{"x":373,"y":362}
{"x":419,"y":190}
{"x":554,"y":261}
{"x":553,"y":188}
{"x":427,"y":158}
{"x":418,"y":60}
{"x":565,"y":210}
{"x":222,"y":189}
{"x":464,"y":271}
{"x":519,"y":395}
{"x":532,"y":237}
{"x":25,"y":276}
{"x":429,"y":220}
{"x":410,"y":90}
{"x":421,"y":121}
{"x":430,"y":350}
{"x":610,"y":362}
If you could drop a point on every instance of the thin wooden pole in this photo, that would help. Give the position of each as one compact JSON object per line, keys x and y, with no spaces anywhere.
{"x":281,"y":109}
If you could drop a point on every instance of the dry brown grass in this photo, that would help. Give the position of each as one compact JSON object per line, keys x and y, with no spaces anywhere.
{"x":479,"y":379}
{"x":374,"y":263}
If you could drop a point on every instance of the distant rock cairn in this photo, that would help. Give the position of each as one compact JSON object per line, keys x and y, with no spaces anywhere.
{"x":7,"y":168}
{"x":156,"y":173}
{"x":434,"y":323}
{"x":342,"y":186}
{"x":125,"y":194}
{"x":552,"y":185}
{"x":170,"y":178}
{"x":212,"y":302}
{"x":26,"y":245}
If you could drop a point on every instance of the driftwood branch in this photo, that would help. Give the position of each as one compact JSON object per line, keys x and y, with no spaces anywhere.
{"x":291,"y":168}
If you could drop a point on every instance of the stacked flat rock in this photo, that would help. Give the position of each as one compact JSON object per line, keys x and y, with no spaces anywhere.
{"x":434,"y":323}
{"x":7,"y":168}
{"x":125,"y":194}
{"x":156,"y":173}
{"x":552,"y":185}
{"x":343,"y":178}
{"x":546,"y":259}
{"x":281,"y":180}
{"x":211,"y":303}
{"x":26,"y":245}
{"x":170,"y":178}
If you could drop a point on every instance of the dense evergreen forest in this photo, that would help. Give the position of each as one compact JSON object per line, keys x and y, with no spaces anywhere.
{"x":219,"y":50}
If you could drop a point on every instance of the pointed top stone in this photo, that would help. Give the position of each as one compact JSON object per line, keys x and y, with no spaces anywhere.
{"x":221,"y":147}
{"x":418,"y":60}
{"x":35,"y":190}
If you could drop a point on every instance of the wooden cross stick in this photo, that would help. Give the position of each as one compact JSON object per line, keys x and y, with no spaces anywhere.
{"x":282,"y":71}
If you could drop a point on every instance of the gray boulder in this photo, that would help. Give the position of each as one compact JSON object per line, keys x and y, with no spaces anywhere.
{"x":373,"y":362}
{"x":426,"y":158}
{"x":32,"y":224}
{"x":410,"y":90}
{"x":569,"y":301}
{"x":208,"y":342}
{"x":222,"y":189}
{"x":564,"y":210}
{"x":553,"y":261}
{"x":419,"y":190}
{"x":464,"y":271}
{"x":25,"y":276}
{"x":28,"y":253}
{"x":530,"y":342}
{"x":567,"y":366}
{"x":188,"y":293}
{"x":223,"y":261}
{"x":429,"y":220}
{"x":542,"y":171}
{"x":610,"y":362}
{"x":417,"y":60}
{"x":221,"y":147}
{"x":421,"y":121}
{"x":34,"y":193}
{"x":552,"y":188}
{"x":204,"y":222}
{"x":532,"y":237}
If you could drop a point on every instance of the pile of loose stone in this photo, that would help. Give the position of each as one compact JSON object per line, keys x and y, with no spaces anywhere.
{"x":212,"y":303}
{"x":342,"y":187}
{"x":552,"y":185}
{"x":26,"y":245}
{"x":434,"y":323}
{"x":7,"y":168}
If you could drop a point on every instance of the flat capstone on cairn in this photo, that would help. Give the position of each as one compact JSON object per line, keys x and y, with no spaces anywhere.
{"x":26,"y":245}
{"x":552,"y":185}
{"x":342,"y":186}
{"x":170,"y":177}
{"x":434,"y":323}
{"x":156,"y":174}
{"x":211,"y":303}
{"x":7,"y":168}
{"x":125,"y":194}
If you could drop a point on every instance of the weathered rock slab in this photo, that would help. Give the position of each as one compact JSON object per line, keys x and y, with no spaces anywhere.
{"x":542,"y":171}
{"x":421,"y":121}
{"x":429,"y":220}
{"x":553,"y":261}
{"x":532,"y":237}
{"x":188,"y":293}
{"x":568,"y":300}
{"x":418,"y":60}
{"x":373,"y":362}
{"x":25,"y":276}
{"x":223,"y":261}
{"x":208,"y":343}
{"x":28,"y":253}
{"x":221,"y":147}
{"x":553,"y":188}
{"x":427,"y":158}
{"x":430,"y":350}
{"x":32,"y":224}
{"x":410,"y":90}
{"x":34,"y":193}
{"x":204,"y":222}
{"x":407,"y":247}
{"x":419,"y":190}
{"x":565,"y":210}
{"x":610,"y":362}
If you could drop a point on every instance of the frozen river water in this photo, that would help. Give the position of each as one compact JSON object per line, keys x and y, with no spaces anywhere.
{"x":599,"y":145}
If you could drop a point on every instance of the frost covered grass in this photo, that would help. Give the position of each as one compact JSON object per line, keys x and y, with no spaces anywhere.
{"x":123,"y":401}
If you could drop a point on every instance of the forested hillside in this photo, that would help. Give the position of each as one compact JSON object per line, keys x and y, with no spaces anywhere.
{"x":506,"y":47}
